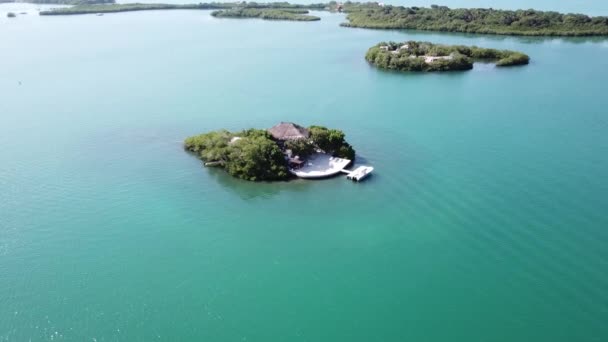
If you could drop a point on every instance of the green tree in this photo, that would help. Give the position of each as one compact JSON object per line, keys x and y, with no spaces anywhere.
{"x":256,"y":159}
{"x":300,"y":147}
{"x":331,"y":141}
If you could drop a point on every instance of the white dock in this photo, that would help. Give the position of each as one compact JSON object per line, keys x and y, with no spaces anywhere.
{"x":359,"y":173}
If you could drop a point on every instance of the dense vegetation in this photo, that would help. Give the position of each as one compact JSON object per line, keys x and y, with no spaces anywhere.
{"x":424,"y":56}
{"x":229,"y":6}
{"x":267,"y":14}
{"x":331,"y":141}
{"x":328,"y":140}
{"x":475,"y":20}
{"x":302,"y":148}
{"x":255,"y":156}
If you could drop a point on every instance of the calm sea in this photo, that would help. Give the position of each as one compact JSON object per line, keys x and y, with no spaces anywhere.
{"x":485,"y":220}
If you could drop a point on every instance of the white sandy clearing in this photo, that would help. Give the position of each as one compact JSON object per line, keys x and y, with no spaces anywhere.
{"x":321,"y":165}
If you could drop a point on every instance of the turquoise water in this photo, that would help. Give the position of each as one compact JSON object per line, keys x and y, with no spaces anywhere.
{"x":485,"y":219}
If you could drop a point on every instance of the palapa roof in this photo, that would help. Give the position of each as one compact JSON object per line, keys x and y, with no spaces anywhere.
{"x":288,"y":131}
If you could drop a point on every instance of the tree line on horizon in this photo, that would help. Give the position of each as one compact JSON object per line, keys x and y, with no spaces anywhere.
{"x":378,"y":16}
{"x":474,"y":20}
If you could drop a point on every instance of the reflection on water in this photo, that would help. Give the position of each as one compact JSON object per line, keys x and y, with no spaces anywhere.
{"x":440,"y":36}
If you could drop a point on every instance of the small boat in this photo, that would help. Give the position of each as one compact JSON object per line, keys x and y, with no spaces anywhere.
{"x":99,"y":14}
{"x":360,"y":173}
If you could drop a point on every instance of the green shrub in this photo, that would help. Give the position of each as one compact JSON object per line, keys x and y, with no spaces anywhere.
{"x":331,"y":141}
{"x":256,"y":159}
{"x":301,"y":147}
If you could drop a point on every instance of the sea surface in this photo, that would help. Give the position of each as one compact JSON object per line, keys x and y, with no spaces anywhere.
{"x":486,"y":218}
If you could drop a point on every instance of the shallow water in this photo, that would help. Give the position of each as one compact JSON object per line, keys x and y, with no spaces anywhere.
{"x":485,"y":219}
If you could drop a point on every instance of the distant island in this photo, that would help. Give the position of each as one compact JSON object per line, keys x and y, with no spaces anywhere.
{"x":424,"y":56}
{"x":377,"y":16}
{"x":473,"y":20}
{"x":11,"y":15}
{"x":267,"y":14}
{"x":274,"y":154}
{"x":129,"y":7}
{"x":62,"y":2}
{"x":269,"y":11}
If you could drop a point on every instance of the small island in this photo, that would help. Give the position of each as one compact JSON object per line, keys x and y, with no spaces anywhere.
{"x":425,"y":56}
{"x":473,"y":20}
{"x":279,"y":153}
{"x":267,"y":14}
{"x":11,"y":15}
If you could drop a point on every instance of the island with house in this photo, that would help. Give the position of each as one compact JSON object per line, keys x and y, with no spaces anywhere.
{"x":425,"y":56}
{"x":284,"y":151}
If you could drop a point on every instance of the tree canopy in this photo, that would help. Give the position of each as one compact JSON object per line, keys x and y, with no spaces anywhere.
{"x":267,"y":14}
{"x":253,"y":155}
{"x":331,"y":141}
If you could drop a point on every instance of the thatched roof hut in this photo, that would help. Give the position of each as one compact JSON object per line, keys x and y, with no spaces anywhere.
{"x":288,"y":131}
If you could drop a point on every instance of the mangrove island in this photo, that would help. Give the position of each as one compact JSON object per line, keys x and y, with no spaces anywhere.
{"x":376,"y":15}
{"x":424,"y":56}
{"x":268,"y":11}
{"x":278,"y":153}
{"x":473,"y":20}
{"x":293,"y":14}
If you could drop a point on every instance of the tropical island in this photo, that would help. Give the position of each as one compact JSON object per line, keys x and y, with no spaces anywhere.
{"x":278,"y":153}
{"x":293,"y":14}
{"x":473,"y":20}
{"x":425,"y":56}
